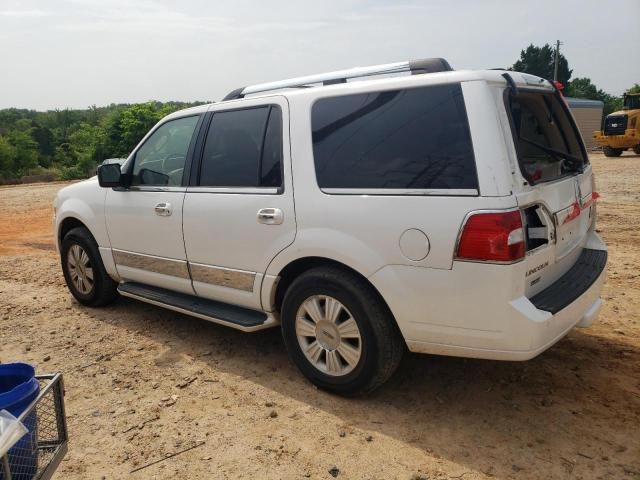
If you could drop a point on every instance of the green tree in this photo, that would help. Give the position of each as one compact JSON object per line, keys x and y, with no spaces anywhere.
{"x":136,"y":122}
{"x":635,"y":88}
{"x":539,"y":61}
{"x":65,"y":155}
{"x":611,"y":104}
{"x":7,"y":158}
{"x":26,"y":148}
{"x":584,"y":88}
{"x":83,"y":144}
{"x":46,"y":146}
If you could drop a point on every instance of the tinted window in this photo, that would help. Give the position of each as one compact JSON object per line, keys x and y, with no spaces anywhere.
{"x":243,"y":149}
{"x":548,"y":145}
{"x":410,"y":139}
{"x":160,"y":160}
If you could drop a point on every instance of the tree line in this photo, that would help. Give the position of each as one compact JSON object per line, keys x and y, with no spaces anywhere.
{"x":69,"y":144}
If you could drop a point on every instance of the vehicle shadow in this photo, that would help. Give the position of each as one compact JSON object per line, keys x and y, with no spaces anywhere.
{"x":574,"y":410}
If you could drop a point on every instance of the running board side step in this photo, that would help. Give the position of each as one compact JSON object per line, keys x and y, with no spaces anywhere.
{"x":232,"y":316}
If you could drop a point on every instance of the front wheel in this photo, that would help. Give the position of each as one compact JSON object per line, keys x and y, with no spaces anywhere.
{"x":84,"y":271}
{"x":636,"y":149}
{"x":339,"y":332}
{"x":612,"y":152}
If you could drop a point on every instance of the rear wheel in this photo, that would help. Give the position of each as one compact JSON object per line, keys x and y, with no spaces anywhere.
{"x":636,"y":149}
{"x":339,"y":332}
{"x":612,"y":152}
{"x":84,"y":271}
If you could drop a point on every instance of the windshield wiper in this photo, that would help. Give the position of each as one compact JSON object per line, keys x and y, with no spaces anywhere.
{"x":553,"y":151}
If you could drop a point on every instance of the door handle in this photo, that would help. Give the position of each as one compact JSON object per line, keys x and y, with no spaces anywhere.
{"x":163,"y":209}
{"x":270,"y":216}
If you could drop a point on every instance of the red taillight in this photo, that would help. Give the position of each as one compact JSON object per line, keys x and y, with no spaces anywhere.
{"x":492,"y":237}
{"x":573,"y":213}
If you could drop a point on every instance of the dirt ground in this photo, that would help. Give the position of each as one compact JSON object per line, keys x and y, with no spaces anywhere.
{"x":143,"y":383}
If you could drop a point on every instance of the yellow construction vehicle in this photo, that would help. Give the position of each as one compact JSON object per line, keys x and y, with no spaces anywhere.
{"x":622,"y":128}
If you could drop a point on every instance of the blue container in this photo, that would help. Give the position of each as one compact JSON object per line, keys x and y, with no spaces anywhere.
{"x":18,"y":389}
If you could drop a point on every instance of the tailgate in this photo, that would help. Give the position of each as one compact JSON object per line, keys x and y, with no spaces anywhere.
{"x":557,"y":217}
{"x":554,"y":185}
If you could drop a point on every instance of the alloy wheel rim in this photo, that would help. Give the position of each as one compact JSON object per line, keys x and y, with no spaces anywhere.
{"x":328,"y":335}
{"x":80,"y":269}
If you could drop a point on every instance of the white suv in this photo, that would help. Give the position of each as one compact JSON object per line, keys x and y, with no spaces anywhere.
{"x":447,"y":212}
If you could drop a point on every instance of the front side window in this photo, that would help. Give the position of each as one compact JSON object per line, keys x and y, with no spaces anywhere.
{"x":160,"y":160}
{"x":402,"y":139}
{"x":548,"y":145}
{"x":243,"y":149}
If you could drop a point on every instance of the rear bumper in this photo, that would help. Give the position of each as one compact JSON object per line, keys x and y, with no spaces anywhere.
{"x":479,"y":311}
{"x":568,"y":288}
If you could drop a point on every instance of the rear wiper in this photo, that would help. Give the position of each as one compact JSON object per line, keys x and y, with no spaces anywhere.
{"x":553,"y":151}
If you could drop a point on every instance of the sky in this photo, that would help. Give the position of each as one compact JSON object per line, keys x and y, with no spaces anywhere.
{"x":78,"y":53}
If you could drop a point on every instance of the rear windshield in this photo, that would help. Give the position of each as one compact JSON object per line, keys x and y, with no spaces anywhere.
{"x":548,"y":144}
{"x":401,"y":139}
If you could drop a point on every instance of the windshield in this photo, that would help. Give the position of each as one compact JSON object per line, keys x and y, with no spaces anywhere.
{"x":632,"y":102}
{"x":548,"y":144}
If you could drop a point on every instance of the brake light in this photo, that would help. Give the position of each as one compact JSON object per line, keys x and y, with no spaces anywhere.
{"x":492,"y":237}
{"x":594,"y":196}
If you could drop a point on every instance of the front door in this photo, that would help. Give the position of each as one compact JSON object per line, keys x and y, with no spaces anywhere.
{"x":144,"y":220}
{"x":238,"y":213}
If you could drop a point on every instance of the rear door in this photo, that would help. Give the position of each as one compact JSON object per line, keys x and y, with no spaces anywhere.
{"x":238,"y":210}
{"x":556,"y":192}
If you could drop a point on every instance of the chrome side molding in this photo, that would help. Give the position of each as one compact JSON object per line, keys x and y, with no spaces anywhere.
{"x":221,"y":276}
{"x":150,"y":263}
{"x":224,"y":277}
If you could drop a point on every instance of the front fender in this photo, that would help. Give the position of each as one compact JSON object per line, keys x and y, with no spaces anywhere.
{"x":83,"y":201}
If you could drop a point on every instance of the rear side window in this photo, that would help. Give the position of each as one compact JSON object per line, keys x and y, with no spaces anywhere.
{"x":402,"y":139}
{"x":548,"y":144}
{"x":243,"y":149}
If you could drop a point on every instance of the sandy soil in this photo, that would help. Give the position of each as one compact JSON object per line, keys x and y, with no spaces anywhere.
{"x":143,"y":383}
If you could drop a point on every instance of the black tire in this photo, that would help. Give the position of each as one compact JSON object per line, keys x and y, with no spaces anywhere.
{"x":612,"y":152}
{"x":381,"y":342}
{"x":636,"y":149}
{"x":104,"y":289}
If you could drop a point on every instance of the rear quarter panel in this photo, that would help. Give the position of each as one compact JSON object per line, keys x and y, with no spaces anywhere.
{"x":363,"y":231}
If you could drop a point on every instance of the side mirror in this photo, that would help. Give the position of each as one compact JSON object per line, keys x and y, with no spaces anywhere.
{"x":109,"y":175}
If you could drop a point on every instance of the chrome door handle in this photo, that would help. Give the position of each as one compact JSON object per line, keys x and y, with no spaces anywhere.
{"x":270,"y":216}
{"x":163,"y":209}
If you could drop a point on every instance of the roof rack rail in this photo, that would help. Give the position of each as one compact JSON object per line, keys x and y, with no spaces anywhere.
{"x":416,"y":67}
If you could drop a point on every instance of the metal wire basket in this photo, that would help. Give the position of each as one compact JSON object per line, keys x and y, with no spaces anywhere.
{"x":37,"y":455}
